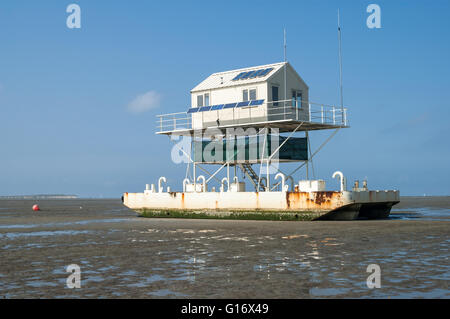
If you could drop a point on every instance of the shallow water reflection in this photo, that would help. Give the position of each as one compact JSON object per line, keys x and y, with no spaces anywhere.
{"x":123,"y":257}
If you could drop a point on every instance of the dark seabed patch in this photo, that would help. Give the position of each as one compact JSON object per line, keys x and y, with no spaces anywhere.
{"x":123,"y":256}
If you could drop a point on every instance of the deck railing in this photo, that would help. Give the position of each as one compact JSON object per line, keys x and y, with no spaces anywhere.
{"x":276,"y":111}
{"x":174,"y":122}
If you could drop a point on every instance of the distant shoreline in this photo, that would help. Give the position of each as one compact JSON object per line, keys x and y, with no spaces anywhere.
{"x":49,"y":196}
{"x":63,"y":196}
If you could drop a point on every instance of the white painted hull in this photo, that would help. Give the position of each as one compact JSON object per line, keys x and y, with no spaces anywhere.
{"x":326,"y":205}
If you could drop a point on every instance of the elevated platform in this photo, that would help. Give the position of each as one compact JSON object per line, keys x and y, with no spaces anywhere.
{"x":282,"y":116}
{"x":282,"y":125}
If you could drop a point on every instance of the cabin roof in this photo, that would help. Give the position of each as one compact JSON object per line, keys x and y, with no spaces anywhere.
{"x":225,"y":79}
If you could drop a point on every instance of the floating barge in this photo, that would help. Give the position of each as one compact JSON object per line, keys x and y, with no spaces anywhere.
{"x":255,"y":116}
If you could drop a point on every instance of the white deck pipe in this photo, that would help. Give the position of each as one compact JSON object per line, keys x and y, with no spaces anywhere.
{"x":185,"y":182}
{"x":289,"y":178}
{"x":222,"y":186}
{"x":203,"y":182}
{"x":343,"y":180}
{"x":236,"y":182}
{"x":281,"y":175}
{"x":160,"y":187}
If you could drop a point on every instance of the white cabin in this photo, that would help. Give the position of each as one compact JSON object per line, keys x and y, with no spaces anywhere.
{"x":250,"y":95}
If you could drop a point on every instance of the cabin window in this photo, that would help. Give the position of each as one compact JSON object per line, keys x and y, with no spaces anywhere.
{"x":248,"y":95}
{"x":275,"y":95}
{"x":207,"y":99}
{"x":297,"y":99}
{"x":245,"y":95}
{"x":199,"y":100}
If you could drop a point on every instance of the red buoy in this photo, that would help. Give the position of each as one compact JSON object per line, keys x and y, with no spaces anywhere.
{"x":36,"y":208}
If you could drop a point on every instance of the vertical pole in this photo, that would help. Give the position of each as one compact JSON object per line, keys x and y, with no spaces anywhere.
{"x":187,"y":170}
{"x":268,"y":147}
{"x":309,"y":107}
{"x":267,"y":164}
{"x":307,"y":161}
{"x":195,"y":177}
{"x":310,"y":154}
{"x":340,"y":62}
{"x":187,"y":166}
{"x":307,"y":170}
{"x":262,"y":155}
{"x":285,"y":64}
{"x":322,"y":113}
{"x":228,"y":175}
{"x":284,"y":30}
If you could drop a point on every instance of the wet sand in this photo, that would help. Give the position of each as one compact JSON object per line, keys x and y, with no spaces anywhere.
{"x":431,"y":202}
{"x":124,"y":256}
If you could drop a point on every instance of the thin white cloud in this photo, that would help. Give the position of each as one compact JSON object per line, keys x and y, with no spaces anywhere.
{"x":144,"y":102}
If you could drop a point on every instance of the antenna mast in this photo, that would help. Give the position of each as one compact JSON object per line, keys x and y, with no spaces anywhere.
{"x":285,"y":60}
{"x":340,"y":64}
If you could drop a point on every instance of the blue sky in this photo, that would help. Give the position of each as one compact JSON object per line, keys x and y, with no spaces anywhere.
{"x":65,"y":125}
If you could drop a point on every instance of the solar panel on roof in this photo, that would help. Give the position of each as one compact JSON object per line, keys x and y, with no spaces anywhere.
{"x":217,"y":107}
{"x":256,"y":102}
{"x":246,"y":103}
{"x":238,"y":76}
{"x":254,"y":74}
{"x":229,"y":105}
{"x":205,"y":108}
{"x":193,"y":110}
{"x":257,"y":73}
{"x":246,"y":75}
{"x":265,"y":72}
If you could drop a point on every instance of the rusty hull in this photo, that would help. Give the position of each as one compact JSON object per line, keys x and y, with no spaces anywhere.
{"x":333,"y":205}
{"x":314,"y":201}
{"x":327,"y":204}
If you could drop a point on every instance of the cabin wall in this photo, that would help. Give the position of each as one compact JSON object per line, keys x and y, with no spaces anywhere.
{"x":257,"y":113}
{"x":293,"y":82}
{"x":229,"y":116}
{"x":230,"y":94}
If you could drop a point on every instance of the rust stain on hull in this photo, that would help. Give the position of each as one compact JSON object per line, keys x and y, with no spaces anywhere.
{"x":257,"y":200}
{"x":314,"y":201}
{"x":182,"y":200}
{"x":324,"y":197}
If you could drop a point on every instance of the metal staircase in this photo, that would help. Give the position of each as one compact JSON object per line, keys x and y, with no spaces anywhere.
{"x":250,"y":173}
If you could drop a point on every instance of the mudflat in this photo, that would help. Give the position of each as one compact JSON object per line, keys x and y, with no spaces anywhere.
{"x":121,"y":255}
